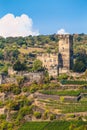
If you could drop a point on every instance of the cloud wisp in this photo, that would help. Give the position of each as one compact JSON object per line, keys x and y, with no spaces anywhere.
{"x":62,"y":31}
{"x":17,"y":26}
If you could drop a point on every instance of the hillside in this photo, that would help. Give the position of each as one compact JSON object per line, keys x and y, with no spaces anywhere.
{"x":25,"y":49}
{"x":29,"y":94}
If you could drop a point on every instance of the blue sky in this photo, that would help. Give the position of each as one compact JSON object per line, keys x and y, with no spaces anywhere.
{"x":49,"y":16}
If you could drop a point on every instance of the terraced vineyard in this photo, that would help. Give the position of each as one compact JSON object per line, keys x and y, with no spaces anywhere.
{"x":63,"y":93}
{"x":64,"y":101}
{"x":66,"y":107}
{"x":74,"y":82}
{"x":59,"y":125}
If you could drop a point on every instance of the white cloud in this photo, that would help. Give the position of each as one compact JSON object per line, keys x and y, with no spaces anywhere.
{"x":16,"y":26}
{"x":62,"y":31}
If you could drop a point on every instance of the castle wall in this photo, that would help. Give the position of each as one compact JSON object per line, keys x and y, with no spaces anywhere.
{"x":37,"y":77}
{"x":50,"y":62}
{"x":30,"y":76}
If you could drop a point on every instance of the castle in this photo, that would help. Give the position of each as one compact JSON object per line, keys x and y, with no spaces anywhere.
{"x":55,"y":63}
{"x":62,"y":62}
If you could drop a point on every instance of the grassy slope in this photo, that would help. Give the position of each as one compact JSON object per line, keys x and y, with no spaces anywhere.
{"x":30,"y":50}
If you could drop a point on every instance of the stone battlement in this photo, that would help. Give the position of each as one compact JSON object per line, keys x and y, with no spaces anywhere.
{"x":63,"y":36}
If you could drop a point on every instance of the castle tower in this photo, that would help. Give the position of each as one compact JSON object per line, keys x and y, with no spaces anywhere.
{"x":65,"y":53}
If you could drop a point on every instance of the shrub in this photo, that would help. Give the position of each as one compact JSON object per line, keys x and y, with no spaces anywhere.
{"x":61,"y":98}
{"x":18,"y":66}
{"x":5,"y":87}
{"x":45,"y":115}
{"x":45,"y":86}
{"x":37,"y":65}
{"x":62,"y":77}
{"x":14,"y":115}
{"x":20,"y":79}
{"x":52,"y":116}
{"x":33,"y":88}
{"x":1,"y":104}
{"x":71,"y":115}
{"x":24,"y":111}
{"x":37,"y":114}
{"x":16,"y":90}
{"x":5,"y":70}
{"x":79,"y":67}
{"x":25,"y":89}
{"x":6,"y":126}
{"x":13,"y":105}
{"x":54,"y":85}
{"x":3,"y":116}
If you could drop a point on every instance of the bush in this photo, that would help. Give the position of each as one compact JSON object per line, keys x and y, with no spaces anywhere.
{"x":6,"y":126}
{"x":5,"y":87}
{"x":45,"y":86}
{"x":24,"y":111}
{"x":37,"y":114}
{"x":52,"y":116}
{"x":5,"y":70}
{"x":10,"y":88}
{"x":79,"y":67}
{"x":14,"y":115}
{"x":45,"y":116}
{"x":37,"y":66}
{"x":33,"y":88}
{"x":16,"y":90}
{"x":25,"y":89}
{"x":20,"y":79}
{"x":54,"y":85}
{"x":62,"y":99}
{"x":13,"y":105}
{"x":1,"y":104}
{"x":3,"y":116}
{"x":62,"y":77}
{"x":18,"y":66}
{"x":71,"y":116}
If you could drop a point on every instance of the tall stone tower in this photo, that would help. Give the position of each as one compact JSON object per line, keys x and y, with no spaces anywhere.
{"x":65,"y":53}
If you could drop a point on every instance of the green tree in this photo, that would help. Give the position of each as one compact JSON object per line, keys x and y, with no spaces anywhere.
{"x":2,"y":45}
{"x":48,"y":50}
{"x":18,"y":66}
{"x":15,"y":53}
{"x":5,"y":70}
{"x":37,"y":65}
{"x":1,"y":55}
{"x":79,"y":66}
{"x":81,"y":61}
